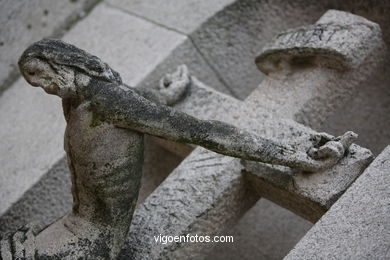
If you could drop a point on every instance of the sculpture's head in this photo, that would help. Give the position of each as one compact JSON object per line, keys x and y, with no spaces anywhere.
{"x":63,"y":69}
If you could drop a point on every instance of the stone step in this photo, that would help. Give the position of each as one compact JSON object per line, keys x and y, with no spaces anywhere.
{"x":24,"y":22}
{"x":207,"y":193}
{"x":358,"y":224}
{"x":228,"y":42}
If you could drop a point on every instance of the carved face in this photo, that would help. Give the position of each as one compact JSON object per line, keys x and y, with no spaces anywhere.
{"x":63,"y":69}
{"x":56,"y":81}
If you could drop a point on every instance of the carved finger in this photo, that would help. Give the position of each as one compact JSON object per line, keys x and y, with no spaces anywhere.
{"x":347,"y":139}
{"x":321,"y":138}
{"x":183,"y":71}
{"x":181,"y":77}
{"x":331,"y":149}
{"x":165,"y":82}
{"x":313,"y":153}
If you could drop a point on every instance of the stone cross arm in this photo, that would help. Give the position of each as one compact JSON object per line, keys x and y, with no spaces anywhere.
{"x":101,"y":111}
{"x":105,"y":178}
{"x":124,"y":108}
{"x":185,"y":204}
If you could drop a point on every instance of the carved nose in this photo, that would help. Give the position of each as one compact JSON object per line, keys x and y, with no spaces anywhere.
{"x":31,"y":67}
{"x":31,"y":72}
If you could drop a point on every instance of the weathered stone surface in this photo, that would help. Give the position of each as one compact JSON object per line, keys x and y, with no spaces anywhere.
{"x":183,"y":16}
{"x":357,"y":225}
{"x":98,"y":108}
{"x":266,"y":231}
{"x":202,"y":196}
{"x":230,"y":39}
{"x":105,"y":161}
{"x":236,"y":34}
{"x":368,"y":117}
{"x":186,"y":54}
{"x":308,"y":195}
{"x":138,"y":45}
{"x":338,"y":40}
{"x":31,"y":139}
{"x":24,"y":22}
{"x":315,"y":193}
{"x":367,"y":111}
{"x":32,"y":117}
{"x":50,"y":198}
{"x":37,"y":123}
{"x":154,"y":217}
{"x":309,"y":93}
{"x":299,"y":97}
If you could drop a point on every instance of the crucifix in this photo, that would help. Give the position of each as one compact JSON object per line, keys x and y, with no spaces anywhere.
{"x":187,"y":204}
{"x":102,"y":112}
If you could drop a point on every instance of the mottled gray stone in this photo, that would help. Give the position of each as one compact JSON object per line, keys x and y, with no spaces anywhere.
{"x":24,"y":22}
{"x":230,"y":39}
{"x":31,"y":139}
{"x":44,"y":202}
{"x":27,"y":112}
{"x":105,"y":161}
{"x":106,"y":122}
{"x":358,"y":224}
{"x":138,"y":46}
{"x":338,"y":40}
{"x":310,"y":195}
{"x":183,"y":16}
{"x":186,"y":54}
{"x":266,"y":231}
{"x":50,"y":198}
{"x":310,"y":93}
{"x":202,"y":196}
{"x":102,"y":112}
{"x":183,"y":214}
{"x":365,"y":112}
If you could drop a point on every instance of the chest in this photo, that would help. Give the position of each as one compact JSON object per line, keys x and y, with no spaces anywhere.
{"x":90,"y":140}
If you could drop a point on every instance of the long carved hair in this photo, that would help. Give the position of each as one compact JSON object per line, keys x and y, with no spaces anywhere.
{"x":57,"y":52}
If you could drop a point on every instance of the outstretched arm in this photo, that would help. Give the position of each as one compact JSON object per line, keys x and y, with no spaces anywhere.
{"x":127,"y":109}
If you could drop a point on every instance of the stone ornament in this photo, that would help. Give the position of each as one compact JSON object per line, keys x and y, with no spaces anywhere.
{"x":338,"y":40}
{"x":106,"y":122}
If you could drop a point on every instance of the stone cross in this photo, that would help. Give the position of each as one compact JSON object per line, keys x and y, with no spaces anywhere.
{"x":278,"y":180}
{"x":312,"y":70}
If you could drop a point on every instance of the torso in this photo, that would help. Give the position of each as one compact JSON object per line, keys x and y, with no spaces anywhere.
{"x":106,"y":162}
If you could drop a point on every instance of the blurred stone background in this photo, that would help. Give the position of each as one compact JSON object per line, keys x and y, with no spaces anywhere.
{"x":143,"y":40}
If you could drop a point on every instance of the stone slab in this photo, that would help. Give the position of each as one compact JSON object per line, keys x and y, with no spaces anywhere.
{"x":233,"y":37}
{"x":266,"y":231}
{"x":358,"y":224}
{"x":50,"y":198}
{"x":203,"y":195}
{"x":199,"y":196}
{"x":133,"y":49}
{"x":187,"y":54}
{"x":347,"y":116}
{"x":308,"y":195}
{"x":183,"y":16}
{"x":236,"y":34}
{"x":24,"y":22}
{"x":44,"y":202}
{"x":311,"y":194}
{"x":31,"y":139}
{"x":338,"y":40}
